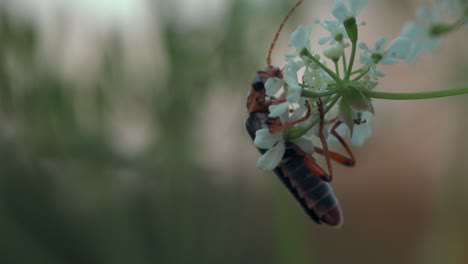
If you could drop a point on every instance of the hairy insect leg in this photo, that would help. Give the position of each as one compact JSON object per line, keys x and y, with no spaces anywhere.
{"x":315,"y":168}
{"x":350,"y":160}
{"x":343,"y":160}
{"x":278,"y":126}
{"x":312,"y":165}
{"x":325,"y":151}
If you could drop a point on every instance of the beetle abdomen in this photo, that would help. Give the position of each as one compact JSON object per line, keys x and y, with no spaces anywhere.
{"x":314,"y":195}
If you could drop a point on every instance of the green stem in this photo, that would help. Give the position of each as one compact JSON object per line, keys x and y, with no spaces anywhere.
{"x":332,"y":103}
{"x":337,"y":70}
{"x":344,"y":60}
{"x":351,"y":61}
{"x":364,"y":72}
{"x":313,"y":94}
{"x":462,"y":21}
{"x":356,"y":71}
{"x":415,"y":96}
{"x":327,"y":108}
{"x":305,"y":52}
{"x":440,"y":29}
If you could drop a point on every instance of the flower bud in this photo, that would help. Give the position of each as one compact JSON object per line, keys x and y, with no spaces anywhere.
{"x":334,"y":53}
{"x":351,"y":28}
{"x":437,"y":30}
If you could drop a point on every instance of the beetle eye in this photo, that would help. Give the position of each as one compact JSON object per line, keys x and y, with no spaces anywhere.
{"x":258,"y":84}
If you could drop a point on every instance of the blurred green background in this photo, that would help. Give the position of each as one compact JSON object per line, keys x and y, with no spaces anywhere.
{"x":122,"y":141}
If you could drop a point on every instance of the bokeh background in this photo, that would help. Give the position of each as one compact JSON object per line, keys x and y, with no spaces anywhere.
{"x":122,"y":140}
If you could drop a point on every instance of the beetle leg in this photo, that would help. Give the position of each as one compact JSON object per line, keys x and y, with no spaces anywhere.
{"x":351,"y":158}
{"x":312,"y":164}
{"x":315,"y":168}
{"x":325,"y":152}
{"x":343,"y":160}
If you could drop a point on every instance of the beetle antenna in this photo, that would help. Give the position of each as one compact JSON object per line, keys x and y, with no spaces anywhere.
{"x":279,"y":31}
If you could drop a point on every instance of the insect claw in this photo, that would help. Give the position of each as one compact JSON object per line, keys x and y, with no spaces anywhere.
{"x":359,"y":121}
{"x":326,"y":178}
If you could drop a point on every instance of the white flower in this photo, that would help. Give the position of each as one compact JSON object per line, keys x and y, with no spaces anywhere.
{"x":454,"y":7}
{"x":336,"y":30}
{"x":300,"y":38}
{"x":398,"y":49}
{"x":290,"y":78}
{"x":317,"y":79}
{"x":340,"y":11}
{"x":419,"y":33}
{"x":290,"y":72}
{"x":275,"y":145}
{"x":277,"y":110}
{"x":361,"y":132}
{"x":313,"y":132}
{"x":272,"y":85}
{"x":292,"y":90}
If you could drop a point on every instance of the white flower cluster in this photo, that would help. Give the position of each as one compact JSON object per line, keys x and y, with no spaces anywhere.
{"x":425,"y":33}
{"x":341,"y":89}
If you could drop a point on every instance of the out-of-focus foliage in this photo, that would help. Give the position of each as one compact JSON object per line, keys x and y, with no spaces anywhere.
{"x":67,"y":195}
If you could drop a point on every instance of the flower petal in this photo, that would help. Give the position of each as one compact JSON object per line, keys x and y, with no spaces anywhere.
{"x":430,"y":16}
{"x":388,"y":59}
{"x":264,"y":139}
{"x":412,"y":29}
{"x":340,"y":11}
{"x":379,"y":44}
{"x":277,"y":110}
{"x":272,"y":85}
{"x":357,"y":6}
{"x":363,"y":46}
{"x":294,"y":93}
{"x":299,"y":111}
{"x":365,"y":58}
{"x":284,"y":117}
{"x":298,"y":37}
{"x":270,"y":159}
{"x":399,"y":48}
{"x":324,"y":40}
{"x":362,"y":131}
{"x":376,"y":73}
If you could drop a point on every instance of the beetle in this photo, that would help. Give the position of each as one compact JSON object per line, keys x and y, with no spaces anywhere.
{"x":298,"y":170}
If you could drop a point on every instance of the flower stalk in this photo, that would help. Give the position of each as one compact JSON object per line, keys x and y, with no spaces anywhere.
{"x":415,"y":96}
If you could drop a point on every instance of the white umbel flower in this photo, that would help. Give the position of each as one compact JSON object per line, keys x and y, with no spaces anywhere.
{"x":398,"y":49}
{"x":340,"y":11}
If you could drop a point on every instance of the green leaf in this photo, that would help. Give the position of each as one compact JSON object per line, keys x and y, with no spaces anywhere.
{"x":345,"y":114}
{"x":358,"y":101}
